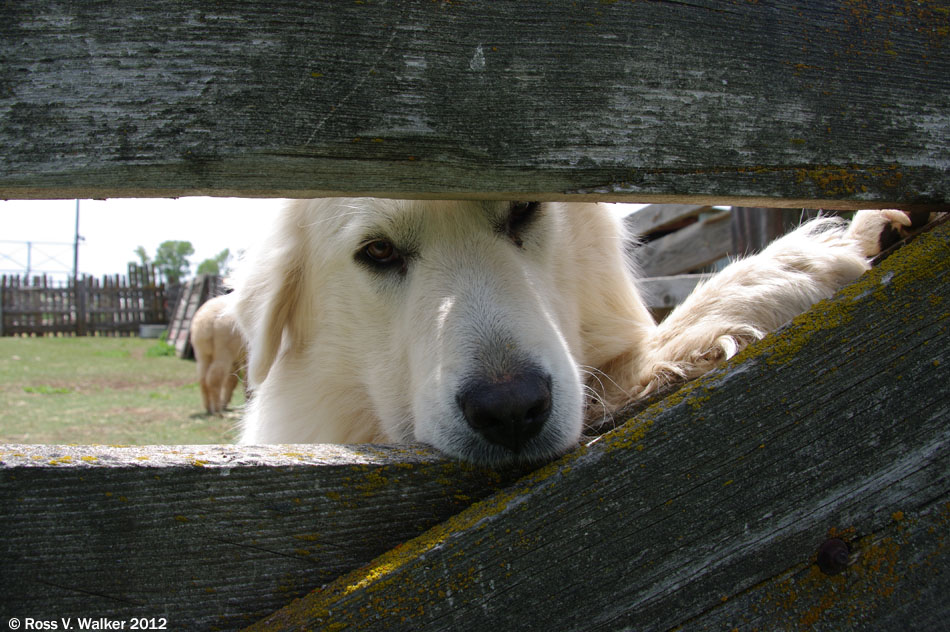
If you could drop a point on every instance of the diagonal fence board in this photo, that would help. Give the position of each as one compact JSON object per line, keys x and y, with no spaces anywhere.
{"x":208,"y":537}
{"x":806,"y":103}
{"x":897,"y":580}
{"x":719,"y":494}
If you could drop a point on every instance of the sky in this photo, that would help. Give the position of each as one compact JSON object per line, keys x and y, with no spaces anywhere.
{"x":112,"y":229}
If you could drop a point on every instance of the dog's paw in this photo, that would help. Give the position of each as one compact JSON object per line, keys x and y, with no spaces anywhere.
{"x":877,"y":230}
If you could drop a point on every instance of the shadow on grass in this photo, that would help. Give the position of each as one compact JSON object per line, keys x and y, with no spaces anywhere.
{"x":229,"y":413}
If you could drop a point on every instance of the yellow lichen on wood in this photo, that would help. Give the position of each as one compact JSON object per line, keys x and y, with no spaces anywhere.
{"x":630,"y":434}
{"x":316,"y":606}
{"x":405,"y":599}
{"x":880,"y":564}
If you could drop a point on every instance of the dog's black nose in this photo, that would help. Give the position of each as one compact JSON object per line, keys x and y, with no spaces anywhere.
{"x":508,"y":412}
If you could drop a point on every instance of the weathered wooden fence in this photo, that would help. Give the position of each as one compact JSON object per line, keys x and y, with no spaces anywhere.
{"x":706,"y":511}
{"x":822,"y":105}
{"x":113,"y":306}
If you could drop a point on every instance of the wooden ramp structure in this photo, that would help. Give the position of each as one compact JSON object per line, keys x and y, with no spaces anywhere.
{"x":194,"y":293}
{"x":803,"y":485}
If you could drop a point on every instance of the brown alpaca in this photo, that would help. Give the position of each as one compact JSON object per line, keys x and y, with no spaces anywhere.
{"x":219,"y":351}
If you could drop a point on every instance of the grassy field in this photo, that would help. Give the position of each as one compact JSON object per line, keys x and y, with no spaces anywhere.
{"x":103,"y":390}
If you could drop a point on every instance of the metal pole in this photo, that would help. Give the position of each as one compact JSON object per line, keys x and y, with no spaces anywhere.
{"x":76,"y":246}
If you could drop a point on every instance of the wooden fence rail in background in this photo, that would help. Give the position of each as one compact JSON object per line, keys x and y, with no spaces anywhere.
{"x":114,"y":305}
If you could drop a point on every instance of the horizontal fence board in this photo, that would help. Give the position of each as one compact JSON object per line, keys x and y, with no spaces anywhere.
{"x":209,"y":537}
{"x":660,"y":217}
{"x":707,"y":510}
{"x":687,"y":249}
{"x":668,"y":291}
{"x":770,"y":103}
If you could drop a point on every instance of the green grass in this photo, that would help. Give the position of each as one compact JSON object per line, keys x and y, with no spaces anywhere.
{"x":103,"y":390}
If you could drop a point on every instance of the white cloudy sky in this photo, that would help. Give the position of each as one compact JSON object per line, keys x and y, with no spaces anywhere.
{"x":111,"y":230}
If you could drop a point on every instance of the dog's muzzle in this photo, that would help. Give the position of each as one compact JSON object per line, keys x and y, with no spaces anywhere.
{"x":508,"y":411}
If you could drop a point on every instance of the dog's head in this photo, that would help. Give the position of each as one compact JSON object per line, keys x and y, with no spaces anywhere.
{"x":449,"y":321}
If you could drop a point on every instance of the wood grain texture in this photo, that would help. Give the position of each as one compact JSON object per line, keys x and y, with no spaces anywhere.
{"x":755,"y":228}
{"x":661,"y":217}
{"x":773,"y":103}
{"x":209,"y":537}
{"x":707,"y":509}
{"x":668,"y":291}
{"x":687,"y":249}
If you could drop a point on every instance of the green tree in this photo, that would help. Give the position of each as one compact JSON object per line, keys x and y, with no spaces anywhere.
{"x":220,"y":264}
{"x":143,"y":256}
{"x":171,"y":259}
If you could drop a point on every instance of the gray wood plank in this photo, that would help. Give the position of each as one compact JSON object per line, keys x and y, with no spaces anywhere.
{"x":658,"y":217}
{"x":836,"y":425}
{"x":687,"y":249}
{"x":822,"y":104}
{"x":897,"y":580}
{"x":666,"y":292}
{"x":208,"y":537}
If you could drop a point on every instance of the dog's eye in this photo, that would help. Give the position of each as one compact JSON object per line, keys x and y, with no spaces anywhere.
{"x":520,"y":216}
{"x":381,"y":253}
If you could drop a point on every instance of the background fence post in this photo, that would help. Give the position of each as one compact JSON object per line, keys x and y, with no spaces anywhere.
{"x":79,"y":286}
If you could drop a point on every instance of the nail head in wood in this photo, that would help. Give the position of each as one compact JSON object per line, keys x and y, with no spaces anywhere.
{"x":833,"y":556}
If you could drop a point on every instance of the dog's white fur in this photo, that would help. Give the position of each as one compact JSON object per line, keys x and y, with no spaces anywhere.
{"x":342,"y":352}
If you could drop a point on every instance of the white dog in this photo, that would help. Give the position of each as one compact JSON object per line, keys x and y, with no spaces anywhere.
{"x":486,"y":328}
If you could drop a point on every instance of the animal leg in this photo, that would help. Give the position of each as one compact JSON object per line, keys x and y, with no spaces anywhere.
{"x":217,"y":376}
{"x":759,"y":294}
{"x":206,"y":396}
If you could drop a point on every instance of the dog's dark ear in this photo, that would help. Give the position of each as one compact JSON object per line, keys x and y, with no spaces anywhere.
{"x":273,"y":301}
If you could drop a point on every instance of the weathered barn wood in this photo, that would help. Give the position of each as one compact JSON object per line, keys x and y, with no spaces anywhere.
{"x":837,"y":104}
{"x":707,"y":510}
{"x":687,"y":249}
{"x":668,"y":291}
{"x":209,"y":537}
{"x":662,"y":217}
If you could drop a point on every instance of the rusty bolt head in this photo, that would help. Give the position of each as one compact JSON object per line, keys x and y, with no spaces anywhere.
{"x":833,"y":556}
